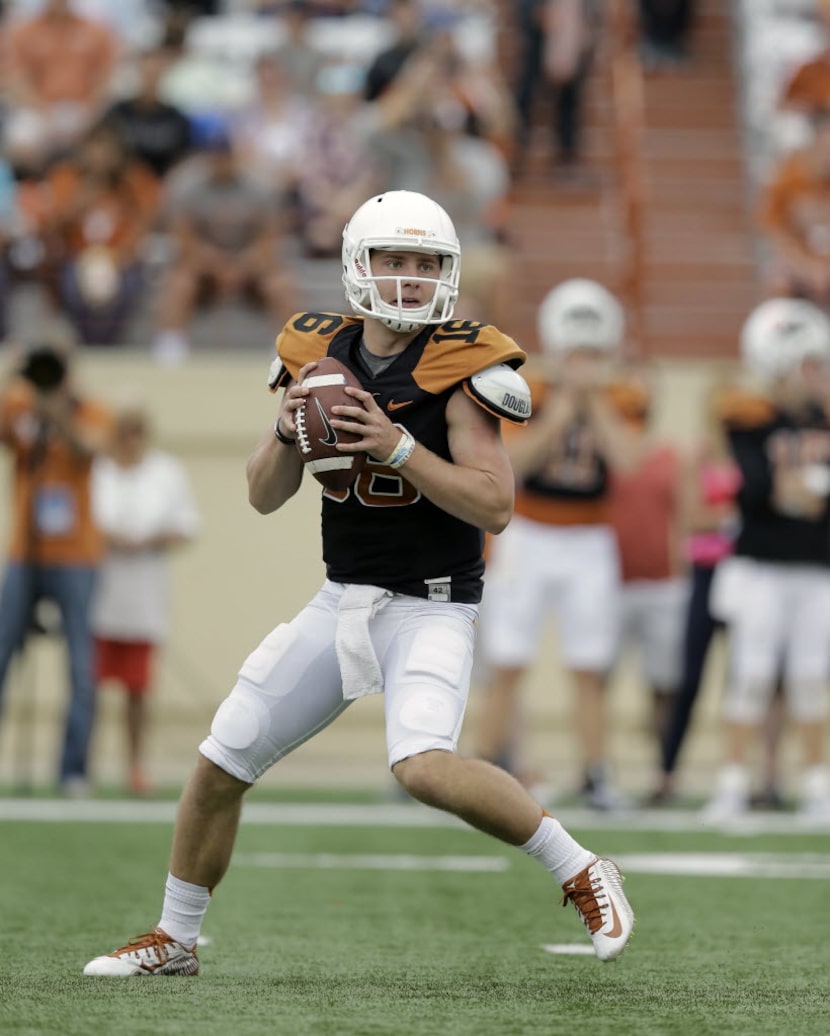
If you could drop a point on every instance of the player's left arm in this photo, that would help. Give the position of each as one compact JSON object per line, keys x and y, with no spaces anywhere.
{"x":477,"y":486}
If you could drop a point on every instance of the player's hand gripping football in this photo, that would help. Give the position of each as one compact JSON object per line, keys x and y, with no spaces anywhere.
{"x":293,"y":398}
{"x":378,"y":436}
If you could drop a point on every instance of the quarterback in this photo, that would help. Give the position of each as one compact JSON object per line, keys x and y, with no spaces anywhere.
{"x":403,"y":553}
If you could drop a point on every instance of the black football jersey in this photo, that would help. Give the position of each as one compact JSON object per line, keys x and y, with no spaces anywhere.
{"x":763,"y":438}
{"x":381,"y":530}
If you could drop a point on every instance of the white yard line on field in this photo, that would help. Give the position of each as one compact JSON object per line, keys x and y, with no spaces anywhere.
{"x":728,"y":865}
{"x":405,"y":815}
{"x":373,"y":862}
{"x":569,"y":949}
{"x":699,"y":865}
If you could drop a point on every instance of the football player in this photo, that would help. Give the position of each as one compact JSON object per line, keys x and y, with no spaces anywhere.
{"x":559,"y":554}
{"x":403,"y":553}
{"x":774,"y":593}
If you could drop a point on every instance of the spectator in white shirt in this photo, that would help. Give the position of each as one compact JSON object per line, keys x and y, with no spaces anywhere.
{"x":144,"y":505}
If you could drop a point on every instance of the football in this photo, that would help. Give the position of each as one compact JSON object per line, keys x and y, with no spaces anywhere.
{"x":316,"y":438}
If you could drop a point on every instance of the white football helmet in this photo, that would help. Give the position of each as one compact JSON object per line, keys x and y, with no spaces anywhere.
{"x":400,"y":221}
{"x":580,"y":313}
{"x":782,"y":332}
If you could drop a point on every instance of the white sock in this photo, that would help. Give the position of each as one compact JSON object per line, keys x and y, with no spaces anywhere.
{"x":554,"y":848}
{"x":184,"y":909}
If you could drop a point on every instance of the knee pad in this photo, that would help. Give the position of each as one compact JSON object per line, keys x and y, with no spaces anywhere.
{"x":429,"y":699}
{"x":807,"y":700}
{"x":747,"y":701}
{"x":429,"y":710}
{"x":240,"y":720}
{"x":238,"y":730}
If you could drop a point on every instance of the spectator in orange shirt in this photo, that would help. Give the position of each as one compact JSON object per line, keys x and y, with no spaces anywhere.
{"x":100,"y":205}
{"x":59,"y":67}
{"x":53,"y":433}
{"x":648,"y":515}
{"x":795,"y":213}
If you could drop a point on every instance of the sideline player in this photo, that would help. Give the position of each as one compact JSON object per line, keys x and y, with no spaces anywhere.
{"x":403,"y":554}
{"x":560,"y":552}
{"x":774,"y":592}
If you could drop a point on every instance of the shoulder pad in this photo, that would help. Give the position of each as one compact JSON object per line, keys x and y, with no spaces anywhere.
{"x":277,"y":374}
{"x":630,"y":398}
{"x":502,"y":391}
{"x":305,"y":337}
{"x":741,"y":409}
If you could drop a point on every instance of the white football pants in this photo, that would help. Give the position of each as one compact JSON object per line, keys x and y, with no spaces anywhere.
{"x":290,"y":687}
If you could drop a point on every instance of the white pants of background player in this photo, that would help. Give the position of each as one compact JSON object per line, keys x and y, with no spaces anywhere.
{"x":290,"y":687}
{"x":653,"y":618}
{"x":779,"y":625}
{"x":535,"y":570}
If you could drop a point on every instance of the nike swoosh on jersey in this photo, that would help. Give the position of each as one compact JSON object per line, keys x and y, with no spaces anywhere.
{"x":331,"y":434}
{"x":392,"y":405}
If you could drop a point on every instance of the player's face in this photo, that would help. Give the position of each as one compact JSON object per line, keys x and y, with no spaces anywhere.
{"x":812,"y":378}
{"x":582,"y":367}
{"x":410,"y":274}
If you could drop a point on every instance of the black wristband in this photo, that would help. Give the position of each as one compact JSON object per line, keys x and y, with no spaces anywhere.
{"x":279,"y":435}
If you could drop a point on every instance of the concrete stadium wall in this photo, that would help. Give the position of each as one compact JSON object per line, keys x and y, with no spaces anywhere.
{"x":247,"y":573}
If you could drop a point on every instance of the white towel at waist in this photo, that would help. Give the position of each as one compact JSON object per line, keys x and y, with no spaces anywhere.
{"x":359,"y":666}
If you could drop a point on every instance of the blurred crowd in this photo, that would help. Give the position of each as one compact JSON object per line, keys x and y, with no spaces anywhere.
{"x":117,"y":193}
{"x":145,"y":171}
{"x":794,"y":209}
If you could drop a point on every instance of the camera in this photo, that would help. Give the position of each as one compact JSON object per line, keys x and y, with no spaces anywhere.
{"x":44,"y":367}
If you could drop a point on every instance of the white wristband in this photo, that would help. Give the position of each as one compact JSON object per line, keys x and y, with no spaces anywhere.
{"x":402,"y":452}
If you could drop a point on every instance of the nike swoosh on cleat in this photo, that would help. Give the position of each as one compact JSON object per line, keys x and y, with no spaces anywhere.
{"x":616,"y":928}
{"x":392,"y":405}
{"x":331,"y":434}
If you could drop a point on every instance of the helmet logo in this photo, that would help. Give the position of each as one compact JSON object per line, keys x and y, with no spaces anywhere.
{"x":414,"y":232}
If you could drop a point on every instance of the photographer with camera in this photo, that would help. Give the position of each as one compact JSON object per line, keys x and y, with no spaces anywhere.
{"x":53,"y":433}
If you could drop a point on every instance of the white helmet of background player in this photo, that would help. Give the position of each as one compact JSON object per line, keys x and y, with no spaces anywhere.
{"x":580,"y":313}
{"x":400,"y":221}
{"x":779,"y":334}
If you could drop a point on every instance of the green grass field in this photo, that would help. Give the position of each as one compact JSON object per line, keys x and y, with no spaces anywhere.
{"x":305,"y":938}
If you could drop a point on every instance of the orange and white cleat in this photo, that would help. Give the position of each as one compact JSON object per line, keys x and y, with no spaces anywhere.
{"x":152,"y":954}
{"x":598,"y":896}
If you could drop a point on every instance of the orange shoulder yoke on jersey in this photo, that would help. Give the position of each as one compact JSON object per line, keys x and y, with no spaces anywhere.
{"x":740,"y":408}
{"x":457,"y":349}
{"x":306,"y":337}
{"x":630,"y":398}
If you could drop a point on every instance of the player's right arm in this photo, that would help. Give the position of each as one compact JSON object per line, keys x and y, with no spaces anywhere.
{"x":275,"y":468}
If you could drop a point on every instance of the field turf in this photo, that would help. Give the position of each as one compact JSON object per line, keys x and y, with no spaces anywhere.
{"x":307,"y":940}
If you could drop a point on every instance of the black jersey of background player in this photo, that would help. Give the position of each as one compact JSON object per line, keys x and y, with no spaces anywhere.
{"x":762,"y":439}
{"x":382,"y":530}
